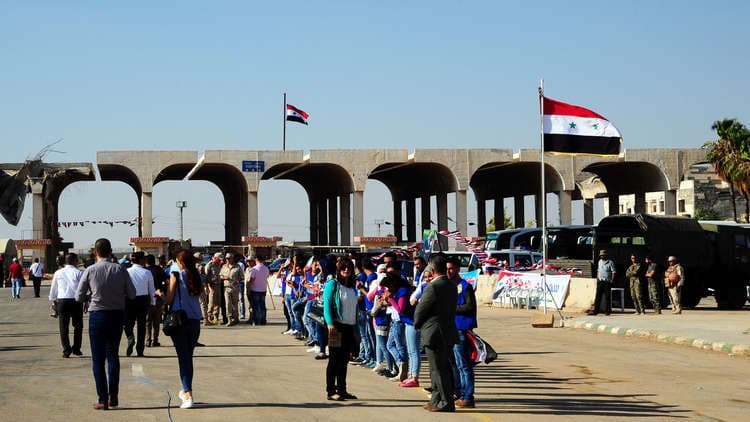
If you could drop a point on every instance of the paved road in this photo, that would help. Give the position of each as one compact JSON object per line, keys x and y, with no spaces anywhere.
{"x":248,"y":373}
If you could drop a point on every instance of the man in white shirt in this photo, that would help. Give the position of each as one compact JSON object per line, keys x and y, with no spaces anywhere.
{"x":63,"y":295}
{"x":136,"y":309}
{"x":36,"y":272}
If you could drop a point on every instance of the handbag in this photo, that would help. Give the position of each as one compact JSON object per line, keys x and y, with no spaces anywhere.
{"x":174,"y":320}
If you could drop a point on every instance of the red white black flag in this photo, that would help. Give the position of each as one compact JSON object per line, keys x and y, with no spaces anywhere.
{"x":293,"y":114}
{"x":574,"y":130}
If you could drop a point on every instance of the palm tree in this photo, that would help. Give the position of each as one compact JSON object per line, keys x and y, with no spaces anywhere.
{"x":730,"y":156}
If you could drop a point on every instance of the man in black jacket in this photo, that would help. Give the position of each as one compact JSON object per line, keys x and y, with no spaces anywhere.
{"x":435,"y":317}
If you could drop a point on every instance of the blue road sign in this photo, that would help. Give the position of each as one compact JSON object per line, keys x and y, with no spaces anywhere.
{"x":253,"y":166}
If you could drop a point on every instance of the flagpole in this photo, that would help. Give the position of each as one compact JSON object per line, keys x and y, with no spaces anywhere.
{"x":283,"y":117}
{"x":544,"y":195}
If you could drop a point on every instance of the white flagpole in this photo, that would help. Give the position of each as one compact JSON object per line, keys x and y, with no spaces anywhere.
{"x":544,"y":195}
{"x":283,"y":116}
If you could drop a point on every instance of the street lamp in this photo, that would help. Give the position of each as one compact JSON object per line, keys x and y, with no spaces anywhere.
{"x":380,"y":222}
{"x":181,"y":205}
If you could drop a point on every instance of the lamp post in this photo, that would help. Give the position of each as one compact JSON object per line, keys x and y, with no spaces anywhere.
{"x":380,"y":222}
{"x":181,"y":205}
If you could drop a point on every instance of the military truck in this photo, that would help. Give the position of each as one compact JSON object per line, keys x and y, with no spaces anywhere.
{"x":715,"y":256}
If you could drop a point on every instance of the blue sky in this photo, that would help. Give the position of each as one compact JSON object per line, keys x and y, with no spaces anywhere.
{"x":200,"y":75}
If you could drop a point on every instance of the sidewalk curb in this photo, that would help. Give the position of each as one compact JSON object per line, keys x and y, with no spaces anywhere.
{"x":731,"y":349}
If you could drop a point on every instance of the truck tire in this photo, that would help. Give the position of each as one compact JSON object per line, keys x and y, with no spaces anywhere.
{"x":689,"y":298}
{"x":732,"y":296}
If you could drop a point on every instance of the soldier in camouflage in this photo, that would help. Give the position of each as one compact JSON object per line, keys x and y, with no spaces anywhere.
{"x":653,"y":286}
{"x":634,"y":274}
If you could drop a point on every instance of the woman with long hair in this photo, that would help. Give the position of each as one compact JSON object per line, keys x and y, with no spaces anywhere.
{"x":340,"y":312}
{"x":184,"y":293}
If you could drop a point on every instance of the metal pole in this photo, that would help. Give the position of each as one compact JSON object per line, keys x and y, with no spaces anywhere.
{"x":283,"y":116}
{"x":544,"y":196}
{"x":182,"y":236}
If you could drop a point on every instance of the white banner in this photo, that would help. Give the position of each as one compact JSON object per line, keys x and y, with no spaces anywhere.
{"x":525,"y":289}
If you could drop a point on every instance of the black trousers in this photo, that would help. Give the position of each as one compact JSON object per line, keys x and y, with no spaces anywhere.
{"x":37,"y":285}
{"x":136,"y":311}
{"x":338,"y":361}
{"x":603,"y":294}
{"x":68,"y":310}
{"x":441,"y":376}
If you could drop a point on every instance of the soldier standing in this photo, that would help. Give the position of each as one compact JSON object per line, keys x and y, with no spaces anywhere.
{"x":653,"y":287}
{"x":674,"y":279}
{"x":231,"y":275}
{"x":215,"y":289}
{"x":204,"y":286}
{"x":634,"y":273}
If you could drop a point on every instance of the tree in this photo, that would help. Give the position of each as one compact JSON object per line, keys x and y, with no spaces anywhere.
{"x":730,"y":156}
{"x":507,"y":223}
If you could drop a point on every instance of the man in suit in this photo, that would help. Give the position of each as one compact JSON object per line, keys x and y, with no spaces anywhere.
{"x":435,"y":317}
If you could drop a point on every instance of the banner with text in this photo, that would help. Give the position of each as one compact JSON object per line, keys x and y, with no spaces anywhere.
{"x":529,"y":285}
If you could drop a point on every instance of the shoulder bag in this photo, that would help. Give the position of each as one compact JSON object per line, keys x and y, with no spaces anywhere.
{"x":175,"y":320}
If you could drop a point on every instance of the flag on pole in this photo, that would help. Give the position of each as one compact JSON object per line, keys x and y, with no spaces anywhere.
{"x":293,"y":114}
{"x":574,"y":130}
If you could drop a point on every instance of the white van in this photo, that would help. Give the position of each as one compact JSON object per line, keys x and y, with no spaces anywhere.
{"x":511,"y":259}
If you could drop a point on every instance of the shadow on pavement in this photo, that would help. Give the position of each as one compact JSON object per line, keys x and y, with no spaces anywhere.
{"x":497,"y":388}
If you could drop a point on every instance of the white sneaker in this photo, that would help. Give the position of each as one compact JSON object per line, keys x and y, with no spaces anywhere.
{"x":181,"y":395}
{"x":287,"y":332}
{"x":187,"y":404}
{"x":378,"y":367}
{"x":314,"y":349}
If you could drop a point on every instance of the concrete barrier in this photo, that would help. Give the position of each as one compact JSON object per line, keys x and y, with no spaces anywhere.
{"x":580,"y":292}
{"x":485,"y":287}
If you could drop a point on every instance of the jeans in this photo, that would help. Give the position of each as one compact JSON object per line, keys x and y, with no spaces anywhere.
{"x":37,"y":281}
{"x":463,"y":371}
{"x":339,"y":360}
{"x":298,"y":310}
{"x":603,"y":294}
{"x":16,"y":284}
{"x":105,"y":332}
{"x":322,"y":336}
{"x":412,"y":347}
{"x":309,"y":323}
{"x":69,"y":310}
{"x":242,"y":299}
{"x":397,"y":342}
{"x":367,"y":333}
{"x":184,"y":344}
{"x":381,"y":351}
{"x":289,"y":301}
{"x":258,"y":303}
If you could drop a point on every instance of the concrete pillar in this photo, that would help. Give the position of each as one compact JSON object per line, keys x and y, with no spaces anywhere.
{"x":539,"y":209}
{"x":588,"y":211}
{"x":425,"y":203}
{"x":252,"y":214}
{"x":670,"y":202}
{"x":146,"y":228}
{"x":499,"y":213}
{"x":442,"y":218}
{"x":37,"y":209}
{"x":323,"y":221}
{"x":565,"y":199}
{"x":640,"y":203}
{"x":481,"y":218}
{"x":313,"y":221}
{"x":398,"y":228}
{"x":411,"y":220}
{"x":346,"y":224}
{"x":461,"y":212}
{"x":614,"y":204}
{"x":518,"y":211}
{"x":358,"y":209}
{"x":333,"y":221}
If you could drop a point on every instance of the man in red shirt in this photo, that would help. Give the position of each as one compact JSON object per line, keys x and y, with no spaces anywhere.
{"x":15,"y":273}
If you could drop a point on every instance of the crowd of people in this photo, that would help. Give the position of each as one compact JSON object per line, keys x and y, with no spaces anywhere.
{"x":345,"y":309}
{"x":374,"y":316}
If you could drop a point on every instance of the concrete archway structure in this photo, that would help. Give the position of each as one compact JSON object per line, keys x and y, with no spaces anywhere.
{"x":335,"y":180}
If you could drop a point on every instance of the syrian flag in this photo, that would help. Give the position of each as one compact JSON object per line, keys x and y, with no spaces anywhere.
{"x":293,"y":114}
{"x":574,"y":130}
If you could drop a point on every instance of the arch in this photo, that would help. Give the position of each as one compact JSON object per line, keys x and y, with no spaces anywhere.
{"x":319,"y":180}
{"x":500,"y":179}
{"x":630,"y":176}
{"x":414,"y":180}
{"x":233,"y":187}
